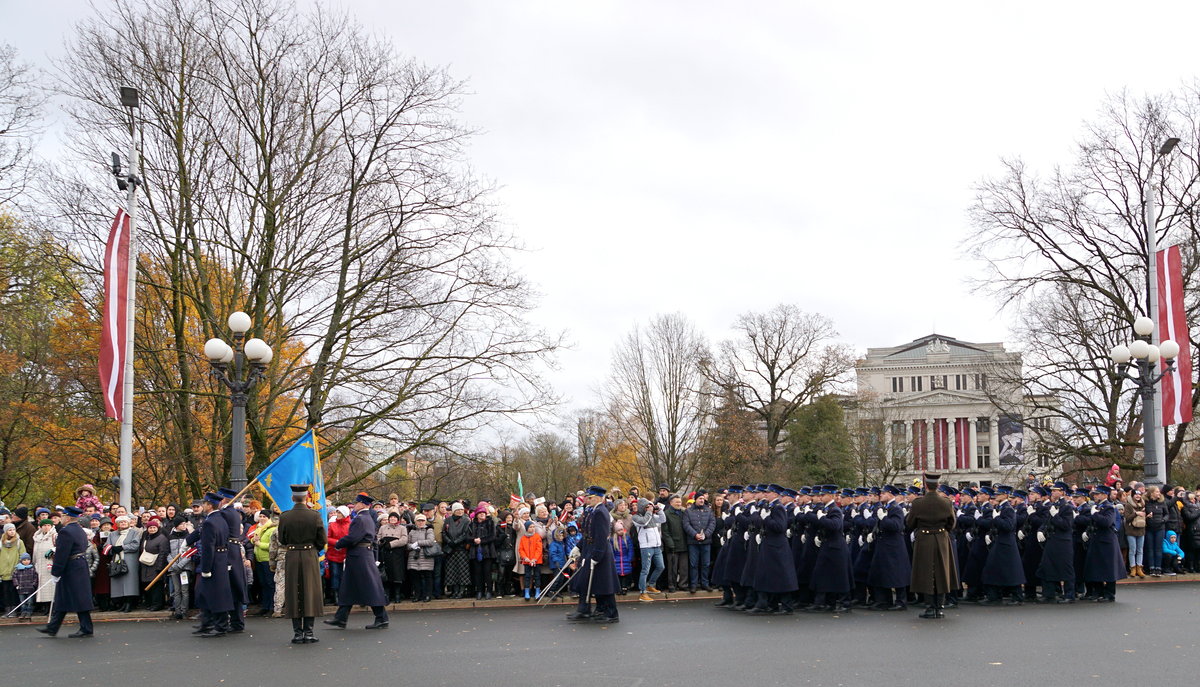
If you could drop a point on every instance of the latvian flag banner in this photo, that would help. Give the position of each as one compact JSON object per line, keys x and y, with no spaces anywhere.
{"x":1172,"y":324}
{"x":116,"y":302}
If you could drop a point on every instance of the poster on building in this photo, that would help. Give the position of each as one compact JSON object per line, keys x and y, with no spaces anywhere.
{"x":1012,"y":440}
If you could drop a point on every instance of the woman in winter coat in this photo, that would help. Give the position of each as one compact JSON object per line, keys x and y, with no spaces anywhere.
{"x":455,"y":540}
{"x":101,"y":585}
{"x":126,"y":542}
{"x":420,"y":564}
{"x":182,"y":568}
{"x":154,"y":543}
{"x":1134,"y":517}
{"x":393,"y":555}
{"x":482,"y":537}
{"x":43,"y":550}
{"x":506,"y":555}
{"x":1156,"y":526}
{"x":11,"y":550}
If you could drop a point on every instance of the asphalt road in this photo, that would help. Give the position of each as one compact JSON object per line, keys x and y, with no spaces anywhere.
{"x":1149,"y":636}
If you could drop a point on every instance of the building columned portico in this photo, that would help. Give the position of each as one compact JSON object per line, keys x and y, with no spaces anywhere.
{"x":934,"y":402}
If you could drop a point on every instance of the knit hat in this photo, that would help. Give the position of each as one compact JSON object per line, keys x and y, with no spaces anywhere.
{"x":9,"y":526}
{"x":26,"y":557}
{"x":21,"y":512}
{"x":344,"y":511}
{"x":88,"y":488}
{"x":45,"y":521}
{"x":154,"y":522}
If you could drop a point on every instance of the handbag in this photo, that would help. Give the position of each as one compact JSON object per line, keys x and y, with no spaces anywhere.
{"x":1139,"y":521}
{"x":148,"y":558}
{"x":433,"y":551}
{"x":118,"y":567}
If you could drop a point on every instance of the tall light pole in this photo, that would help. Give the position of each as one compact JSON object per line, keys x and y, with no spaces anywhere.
{"x":1152,"y":434}
{"x":239,"y":379}
{"x":1146,"y":356}
{"x":128,"y":181}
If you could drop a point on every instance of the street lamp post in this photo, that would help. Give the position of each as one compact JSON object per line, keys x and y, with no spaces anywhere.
{"x":229,"y":363}
{"x":1145,"y":356}
{"x":1152,"y":415}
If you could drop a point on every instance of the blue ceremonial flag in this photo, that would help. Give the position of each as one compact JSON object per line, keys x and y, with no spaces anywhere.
{"x":300,"y":464}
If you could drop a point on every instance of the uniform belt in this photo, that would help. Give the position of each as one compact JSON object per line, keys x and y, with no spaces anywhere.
{"x":234,"y":541}
{"x":299,"y":548}
{"x":78,"y":555}
{"x":365,"y":545}
{"x":220,"y":549}
{"x":924,"y":530}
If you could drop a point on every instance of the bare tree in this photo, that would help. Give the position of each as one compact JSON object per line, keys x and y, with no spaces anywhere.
{"x":781,"y":360}
{"x":656,"y":397}
{"x":299,"y":169}
{"x":20,"y":109}
{"x":1067,"y":252}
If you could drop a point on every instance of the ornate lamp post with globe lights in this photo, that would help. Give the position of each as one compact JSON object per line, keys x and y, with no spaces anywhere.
{"x":238,"y":366}
{"x":1145,"y":356}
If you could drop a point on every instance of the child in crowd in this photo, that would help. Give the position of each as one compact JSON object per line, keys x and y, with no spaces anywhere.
{"x":622,"y":547}
{"x":25,"y":579}
{"x":1172,"y":554}
{"x":529,"y":551}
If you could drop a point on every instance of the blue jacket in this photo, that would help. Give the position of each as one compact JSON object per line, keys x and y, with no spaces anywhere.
{"x":1171,"y":548}
{"x":558,"y":554}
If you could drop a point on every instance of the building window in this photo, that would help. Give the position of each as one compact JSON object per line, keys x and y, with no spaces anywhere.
{"x":916,"y":383}
{"x":985,"y":456}
{"x":937,"y":382}
{"x":1043,"y":459}
{"x":983,"y":424}
{"x":897,"y":384}
{"x":985,"y":482}
{"x":980,"y":381}
{"x":960,"y":382}
{"x":899,"y":429}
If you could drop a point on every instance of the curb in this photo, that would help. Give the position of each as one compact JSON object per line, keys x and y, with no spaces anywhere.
{"x":472,"y":604}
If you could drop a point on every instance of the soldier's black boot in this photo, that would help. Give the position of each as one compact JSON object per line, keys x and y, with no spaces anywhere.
{"x":308,"y":631}
{"x":297,"y":631}
{"x":583,"y":611}
{"x":934,"y":610}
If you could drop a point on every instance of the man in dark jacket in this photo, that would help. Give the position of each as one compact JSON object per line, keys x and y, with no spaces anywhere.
{"x":361,"y":584}
{"x":698,"y":525}
{"x":25,"y":529}
{"x":301,"y":534}
{"x":73,"y":587}
{"x":675,"y":547}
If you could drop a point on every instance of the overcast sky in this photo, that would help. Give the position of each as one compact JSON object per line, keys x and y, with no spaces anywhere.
{"x":716,"y":157}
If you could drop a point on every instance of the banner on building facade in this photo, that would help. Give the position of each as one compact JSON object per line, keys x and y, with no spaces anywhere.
{"x":1012,"y":440}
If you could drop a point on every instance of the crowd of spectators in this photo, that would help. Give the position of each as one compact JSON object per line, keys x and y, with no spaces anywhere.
{"x":460,"y":549}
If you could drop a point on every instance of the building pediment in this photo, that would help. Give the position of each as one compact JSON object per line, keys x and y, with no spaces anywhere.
{"x":940,"y":397}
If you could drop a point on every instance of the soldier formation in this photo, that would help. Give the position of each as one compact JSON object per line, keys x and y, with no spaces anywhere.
{"x":827,"y":549}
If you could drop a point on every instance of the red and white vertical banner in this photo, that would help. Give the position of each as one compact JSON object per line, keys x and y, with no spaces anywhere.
{"x":1172,"y":324}
{"x":962,"y":441}
{"x":920,"y":446}
{"x":116,"y":304}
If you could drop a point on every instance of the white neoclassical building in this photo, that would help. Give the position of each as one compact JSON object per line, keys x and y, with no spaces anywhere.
{"x":933,"y":404}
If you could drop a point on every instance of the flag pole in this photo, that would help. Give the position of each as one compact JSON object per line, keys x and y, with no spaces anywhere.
{"x":130,"y":101}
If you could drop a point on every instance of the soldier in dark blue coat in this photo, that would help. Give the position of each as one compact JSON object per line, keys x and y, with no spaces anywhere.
{"x":361,"y":584}
{"x":597,"y":572}
{"x":831,"y":573}
{"x":1033,"y":514}
{"x":730,"y":540}
{"x":807,"y":528}
{"x":753,"y":538}
{"x":740,"y":543}
{"x":1004,"y":573}
{"x":981,"y":525}
{"x":1103,"y":565}
{"x":1083,"y":520}
{"x":214,"y":596}
{"x":72,"y":581}
{"x":891,"y":568}
{"x":775,"y":580}
{"x":1057,"y":565}
{"x":236,"y":553}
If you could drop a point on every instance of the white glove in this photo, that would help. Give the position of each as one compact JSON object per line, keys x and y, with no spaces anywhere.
{"x":1041,"y":537}
{"x":860,"y":541}
{"x":574,"y":552}
{"x":764,"y":513}
{"x":881,"y":513}
{"x":204,"y":574}
{"x":978,"y":514}
{"x":414,"y":546}
{"x":804,"y":539}
{"x":789,"y":533}
{"x":746,"y":536}
{"x":987,"y":539}
{"x":758,"y":539}
{"x":817,"y":541}
{"x":847,"y":540}
{"x":970,"y":537}
{"x":1030,"y":510}
{"x":870,"y":537}
{"x":912,"y":537}
{"x":869,"y":514}
{"x":1085,"y":537}
{"x":55,"y":578}
{"x":820,"y":514}
{"x":1053,"y":511}
{"x":1021,"y":535}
